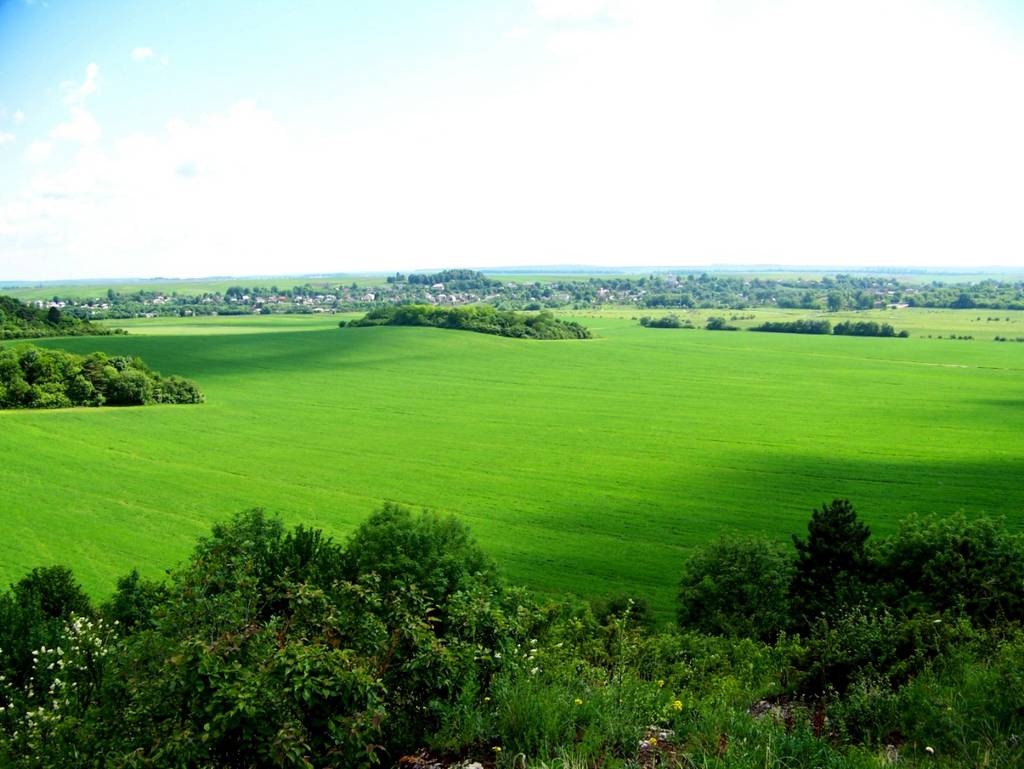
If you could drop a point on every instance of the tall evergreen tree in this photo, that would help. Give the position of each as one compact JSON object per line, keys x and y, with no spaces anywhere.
{"x":832,"y":567}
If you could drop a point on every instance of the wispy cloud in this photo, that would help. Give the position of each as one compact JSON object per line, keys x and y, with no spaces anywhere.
{"x":6,"y":137}
{"x":76,"y":93}
{"x":19,"y":117}
{"x":141,"y":54}
{"x":81,"y":127}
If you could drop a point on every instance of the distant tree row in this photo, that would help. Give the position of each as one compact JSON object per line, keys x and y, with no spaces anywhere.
{"x":21,"y":321}
{"x":795,"y":327}
{"x":867,"y":328}
{"x":846,"y":328}
{"x":35,"y":378}
{"x":671,"y":320}
{"x":481,"y":318}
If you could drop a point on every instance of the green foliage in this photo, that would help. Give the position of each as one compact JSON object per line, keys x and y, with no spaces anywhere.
{"x":949,"y":564}
{"x":481,"y":318}
{"x":736,"y":586}
{"x":866,"y":328}
{"x":20,"y":321}
{"x":670,"y":320}
{"x":832,"y":566}
{"x":795,"y":327}
{"x":266,"y":649}
{"x":634,"y":610}
{"x":32,"y":614}
{"x":35,"y":377}
{"x":716,"y":323}
{"x":133,"y":603}
{"x":435,"y":555}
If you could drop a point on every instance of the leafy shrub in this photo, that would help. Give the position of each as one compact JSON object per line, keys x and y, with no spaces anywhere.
{"x":434,"y":554}
{"x":939,"y":564}
{"x":634,"y":610}
{"x":33,"y":613}
{"x":736,"y":586}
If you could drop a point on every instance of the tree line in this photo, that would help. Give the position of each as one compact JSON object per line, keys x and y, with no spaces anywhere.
{"x":21,"y":321}
{"x":281,"y":647}
{"x":36,"y":378}
{"x":480,"y":318}
{"x":845,"y":328}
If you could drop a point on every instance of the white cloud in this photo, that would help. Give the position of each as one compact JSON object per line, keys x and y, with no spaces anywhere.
{"x":38,"y":152}
{"x":76,"y":93}
{"x":6,"y":137}
{"x":81,"y":128}
{"x":141,"y":54}
{"x":19,"y":117}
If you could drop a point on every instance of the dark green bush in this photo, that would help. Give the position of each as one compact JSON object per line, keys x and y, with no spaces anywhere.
{"x":949,"y":564}
{"x":736,"y":586}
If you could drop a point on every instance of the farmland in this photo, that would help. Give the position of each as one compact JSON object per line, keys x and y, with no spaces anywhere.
{"x":582,"y":466}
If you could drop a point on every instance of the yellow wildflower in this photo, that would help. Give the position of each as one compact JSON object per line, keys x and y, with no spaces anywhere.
{"x":578,"y":701}
{"x":677,"y":705}
{"x":661,"y":682}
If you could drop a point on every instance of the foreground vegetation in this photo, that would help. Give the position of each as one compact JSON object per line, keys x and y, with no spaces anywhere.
{"x":273,"y":647}
{"x":36,"y":378}
{"x":20,"y":321}
{"x":643,"y":443}
{"x":481,"y":318}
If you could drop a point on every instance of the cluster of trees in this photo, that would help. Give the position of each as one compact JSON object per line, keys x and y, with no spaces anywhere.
{"x":481,"y":318}
{"x":21,"y":321}
{"x":867,"y":328}
{"x":837,"y":587}
{"x":716,"y":323}
{"x":278,"y":647}
{"x":37,"y":378}
{"x":847,"y":328}
{"x":452,"y":279}
{"x":671,"y":320}
{"x":795,"y":326}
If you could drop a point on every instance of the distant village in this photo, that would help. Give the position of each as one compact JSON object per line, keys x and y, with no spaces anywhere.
{"x":460,"y":287}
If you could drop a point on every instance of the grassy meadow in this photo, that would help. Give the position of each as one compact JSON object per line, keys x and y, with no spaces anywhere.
{"x":584,"y":466}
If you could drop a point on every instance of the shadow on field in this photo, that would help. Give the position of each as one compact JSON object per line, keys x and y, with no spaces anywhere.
{"x":1017,"y":404}
{"x":884,"y":490}
{"x":201,"y":357}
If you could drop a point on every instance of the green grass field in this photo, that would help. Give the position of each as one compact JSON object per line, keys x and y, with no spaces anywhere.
{"x":585,"y":466}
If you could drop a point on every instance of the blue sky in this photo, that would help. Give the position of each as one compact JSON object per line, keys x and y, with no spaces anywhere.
{"x":187,"y":139}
